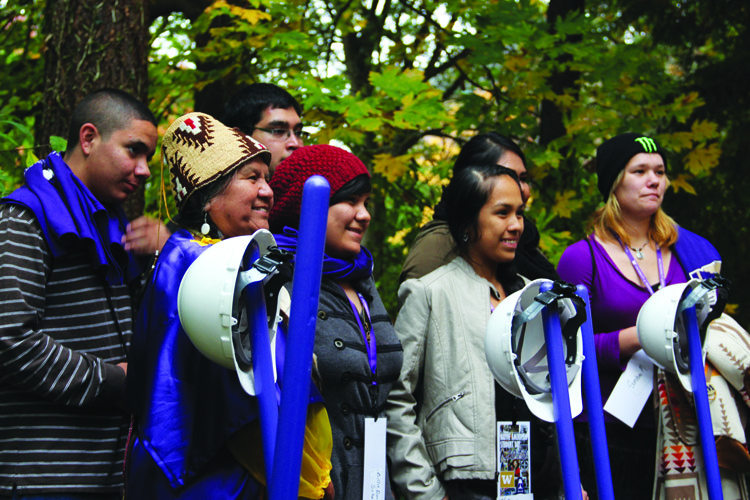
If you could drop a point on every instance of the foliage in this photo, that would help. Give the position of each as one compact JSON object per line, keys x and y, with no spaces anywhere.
{"x":403,"y":84}
{"x":21,"y":56}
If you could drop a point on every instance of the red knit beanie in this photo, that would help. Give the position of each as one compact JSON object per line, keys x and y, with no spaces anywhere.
{"x":335,"y":164}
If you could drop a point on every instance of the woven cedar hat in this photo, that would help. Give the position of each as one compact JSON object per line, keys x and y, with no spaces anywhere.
{"x":335,"y":164}
{"x":199,"y":149}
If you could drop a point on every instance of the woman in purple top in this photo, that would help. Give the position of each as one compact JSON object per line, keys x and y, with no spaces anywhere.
{"x":634,"y":249}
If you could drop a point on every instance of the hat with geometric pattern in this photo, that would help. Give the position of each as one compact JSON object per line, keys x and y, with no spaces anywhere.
{"x":199,"y":149}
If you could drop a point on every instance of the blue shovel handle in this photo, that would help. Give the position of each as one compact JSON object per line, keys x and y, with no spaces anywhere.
{"x":308,"y":269}
{"x":561,"y":400}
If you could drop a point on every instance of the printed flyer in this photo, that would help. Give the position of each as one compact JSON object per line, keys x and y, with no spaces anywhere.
{"x":513,"y":461}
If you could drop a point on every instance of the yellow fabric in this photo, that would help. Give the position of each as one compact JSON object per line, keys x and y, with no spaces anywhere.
{"x":316,"y":454}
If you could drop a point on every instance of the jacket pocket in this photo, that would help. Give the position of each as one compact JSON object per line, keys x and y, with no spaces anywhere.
{"x":451,"y":454}
{"x":443,"y":404}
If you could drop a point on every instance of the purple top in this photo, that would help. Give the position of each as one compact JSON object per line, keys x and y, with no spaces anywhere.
{"x":614,"y":311}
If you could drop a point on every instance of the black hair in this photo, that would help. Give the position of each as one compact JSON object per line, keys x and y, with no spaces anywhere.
{"x":357,"y":186}
{"x":467,"y":193}
{"x":245,"y":108}
{"x":486,"y":149}
{"x":192,"y":215}
{"x":109,"y":110}
{"x":482,"y":149}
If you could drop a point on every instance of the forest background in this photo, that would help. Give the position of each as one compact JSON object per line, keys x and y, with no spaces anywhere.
{"x":404,"y":83}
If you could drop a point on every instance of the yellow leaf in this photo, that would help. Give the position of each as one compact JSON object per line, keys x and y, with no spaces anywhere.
{"x":398,"y":238}
{"x":564,"y":205}
{"x":702,"y":160}
{"x":250,"y":15}
{"x":487,"y":95}
{"x":678,"y":141}
{"x":390,"y":167}
{"x":681,"y":183}
{"x":427,"y":214}
{"x":515,"y":63}
{"x":704,"y":130}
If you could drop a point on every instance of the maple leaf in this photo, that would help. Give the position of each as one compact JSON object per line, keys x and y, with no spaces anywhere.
{"x":702,"y":160}
{"x":704,"y":130}
{"x":390,"y":167}
{"x":679,"y":141}
{"x":681,"y":183}
{"x":564,"y":205}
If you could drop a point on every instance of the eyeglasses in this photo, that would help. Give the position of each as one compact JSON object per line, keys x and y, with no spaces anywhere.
{"x":285,"y":133}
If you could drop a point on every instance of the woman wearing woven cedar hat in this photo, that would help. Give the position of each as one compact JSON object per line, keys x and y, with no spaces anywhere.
{"x":634,"y":249}
{"x":196,"y":432}
{"x":358,"y":354}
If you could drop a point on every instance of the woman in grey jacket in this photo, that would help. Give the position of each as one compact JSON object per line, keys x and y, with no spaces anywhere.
{"x":358,"y":354}
{"x":442,"y":413}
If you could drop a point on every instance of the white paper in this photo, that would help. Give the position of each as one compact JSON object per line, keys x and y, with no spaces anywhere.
{"x":632,"y":389}
{"x":514,"y":461}
{"x":373,"y":487}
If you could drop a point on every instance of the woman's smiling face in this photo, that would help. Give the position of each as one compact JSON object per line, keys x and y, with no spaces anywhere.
{"x":243,"y":206}
{"x":347,"y":223}
{"x":499,"y":224}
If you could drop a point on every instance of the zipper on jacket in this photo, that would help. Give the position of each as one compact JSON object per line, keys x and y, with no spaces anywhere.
{"x":453,"y":398}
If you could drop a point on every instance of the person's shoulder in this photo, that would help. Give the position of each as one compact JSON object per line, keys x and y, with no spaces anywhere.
{"x":691,"y":237}
{"x":577,"y":249}
{"x":20,"y":218}
{"x":444,"y":272}
{"x":695,"y":251}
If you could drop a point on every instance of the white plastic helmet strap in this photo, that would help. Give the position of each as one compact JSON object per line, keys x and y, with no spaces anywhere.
{"x":696,"y":297}
{"x":263,"y":269}
{"x":560,"y":290}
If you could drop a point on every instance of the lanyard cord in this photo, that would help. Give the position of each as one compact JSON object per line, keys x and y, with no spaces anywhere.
{"x":639,"y":271}
{"x":369,"y":339}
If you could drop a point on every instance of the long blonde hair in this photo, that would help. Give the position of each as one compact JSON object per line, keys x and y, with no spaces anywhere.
{"x":607,"y":220}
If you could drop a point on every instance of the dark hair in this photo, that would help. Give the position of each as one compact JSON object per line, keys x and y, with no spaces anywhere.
{"x":192,"y":214}
{"x":486,"y":149}
{"x":359,"y":185}
{"x":245,"y":108}
{"x":482,"y":149}
{"x":467,"y":193}
{"x":109,"y":110}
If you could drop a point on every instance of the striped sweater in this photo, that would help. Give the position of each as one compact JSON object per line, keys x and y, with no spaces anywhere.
{"x":63,"y":425}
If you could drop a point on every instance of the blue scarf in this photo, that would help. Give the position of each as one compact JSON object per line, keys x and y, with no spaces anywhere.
{"x":358,"y":268}
{"x":71,"y":218}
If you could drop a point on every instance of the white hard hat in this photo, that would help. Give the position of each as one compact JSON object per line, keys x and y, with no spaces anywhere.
{"x":211,"y":303}
{"x":661,"y":328}
{"x":516,"y":349}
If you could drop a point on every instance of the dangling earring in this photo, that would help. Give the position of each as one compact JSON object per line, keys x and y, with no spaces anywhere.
{"x":205,"y":228}
{"x":466,"y":237}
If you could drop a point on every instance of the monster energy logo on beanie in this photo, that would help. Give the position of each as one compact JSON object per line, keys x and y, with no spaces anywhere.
{"x":614,"y":154}
{"x":649,"y":145}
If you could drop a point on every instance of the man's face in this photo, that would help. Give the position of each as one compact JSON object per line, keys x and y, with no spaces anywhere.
{"x":280,"y":144}
{"x":116,"y":166}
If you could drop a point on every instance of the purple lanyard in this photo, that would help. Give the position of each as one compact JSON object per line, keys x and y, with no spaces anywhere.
{"x":372,"y":348}
{"x":639,"y":271}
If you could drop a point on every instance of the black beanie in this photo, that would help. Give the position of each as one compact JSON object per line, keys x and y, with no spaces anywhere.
{"x":614,"y":154}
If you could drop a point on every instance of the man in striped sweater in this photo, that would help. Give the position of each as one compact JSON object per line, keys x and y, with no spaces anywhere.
{"x":66,"y":282}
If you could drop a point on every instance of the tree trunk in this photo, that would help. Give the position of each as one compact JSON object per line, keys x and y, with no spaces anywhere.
{"x":552,"y":124}
{"x":92,"y":45}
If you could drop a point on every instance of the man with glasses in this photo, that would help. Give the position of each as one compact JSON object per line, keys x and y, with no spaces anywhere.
{"x":270,"y":115}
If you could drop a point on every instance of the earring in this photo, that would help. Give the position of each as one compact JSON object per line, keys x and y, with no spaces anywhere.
{"x":205,"y":228}
{"x":466,"y":237}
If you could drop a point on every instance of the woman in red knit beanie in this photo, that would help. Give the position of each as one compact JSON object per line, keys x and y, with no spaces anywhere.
{"x":358,"y":354}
